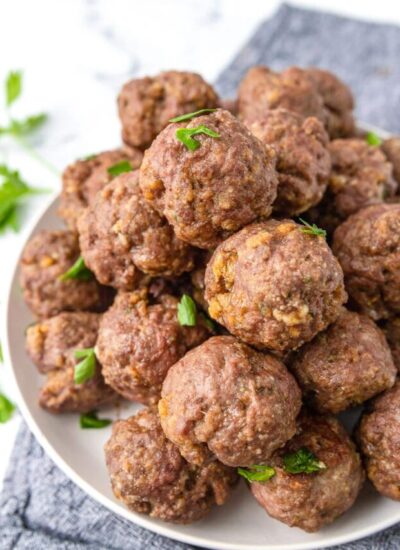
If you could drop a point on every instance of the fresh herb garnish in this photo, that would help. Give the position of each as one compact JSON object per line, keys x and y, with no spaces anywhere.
{"x":120,"y":168}
{"x":90,"y":421}
{"x":77,"y":271}
{"x":185,"y":135}
{"x":13,"y":190}
{"x":189,"y":116}
{"x":13,"y":86}
{"x":207,"y":321}
{"x":302,"y":461}
{"x":6,"y":409}
{"x":85,"y":369}
{"x":312,"y":229}
{"x":373,"y":139}
{"x":257,"y":473}
{"x":187,"y":311}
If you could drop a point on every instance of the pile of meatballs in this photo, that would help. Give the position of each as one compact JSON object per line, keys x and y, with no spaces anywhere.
{"x":276,"y":223}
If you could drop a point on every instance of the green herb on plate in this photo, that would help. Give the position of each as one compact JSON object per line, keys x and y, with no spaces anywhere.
{"x":187,"y":311}
{"x":312,"y":229}
{"x":257,"y":473}
{"x":91,"y":421}
{"x":302,"y":461}
{"x":85,"y":369}
{"x":189,"y":116}
{"x":185,"y":136}
{"x":77,"y":271}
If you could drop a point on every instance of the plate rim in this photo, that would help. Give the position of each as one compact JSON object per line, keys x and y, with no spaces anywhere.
{"x":166,"y":530}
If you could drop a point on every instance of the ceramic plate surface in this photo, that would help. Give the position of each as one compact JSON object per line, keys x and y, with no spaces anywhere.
{"x":239,"y":525}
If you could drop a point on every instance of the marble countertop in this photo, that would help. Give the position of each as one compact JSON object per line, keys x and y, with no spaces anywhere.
{"x":76,"y":54}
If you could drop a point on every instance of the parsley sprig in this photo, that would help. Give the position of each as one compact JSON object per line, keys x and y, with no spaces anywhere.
{"x":91,"y":421}
{"x":302,"y":461}
{"x":120,"y":168}
{"x":13,"y":192}
{"x":185,"y":136}
{"x":257,"y":472}
{"x":21,"y":129}
{"x":189,"y":116}
{"x":312,"y":229}
{"x":85,"y":369}
{"x":77,"y":271}
{"x":373,"y":139}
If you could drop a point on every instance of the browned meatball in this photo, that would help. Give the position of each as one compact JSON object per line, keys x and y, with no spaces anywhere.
{"x":225,"y":400}
{"x":60,"y":394}
{"x":312,"y":500}
{"x":120,"y":233}
{"x":84,"y":178}
{"x":147,"y":104}
{"x":391,"y":149}
{"x":338,"y":102}
{"x":391,"y":328}
{"x":360,"y":176}
{"x":379,"y":438}
{"x":209,"y":193}
{"x":274,"y":286}
{"x":51,"y":343}
{"x":303,"y":161}
{"x":345,"y":365}
{"x":263,"y":89}
{"x":367,"y":246}
{"x":47,"y":256}
{"x":140,"y":340}
{"x":149,"y":475}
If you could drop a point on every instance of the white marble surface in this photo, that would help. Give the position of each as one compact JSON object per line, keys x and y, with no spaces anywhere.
{"x":75,"y":55}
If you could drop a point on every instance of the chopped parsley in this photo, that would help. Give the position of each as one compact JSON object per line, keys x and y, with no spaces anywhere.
{"x":120,"y":168}
{"x":85,"y":369}
{"x":373,"y":139}
{"x":6,"y":409}
{"x":185,"y":136}
{"x":77,"y":271}
{"x":90,"y":421}
{"x":312,"y":229}
{"x":187,"y":311}
{"x":189,"y":116}
{"x":302,"y":461}
{"x":257,"y":473}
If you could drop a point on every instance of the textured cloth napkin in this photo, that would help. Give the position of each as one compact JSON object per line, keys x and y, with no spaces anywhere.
{"x":40,"y":509}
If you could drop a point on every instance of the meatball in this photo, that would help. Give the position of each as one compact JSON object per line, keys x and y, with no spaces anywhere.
{"x":147,"y":104}
{"x":263,"y":89}
{"x":391,"y":328}
{"x":225,"y":400}
{"x":120,"y":233}
{"x":60,"y":394}
{"x":312,"y":500}
{"x":379,"y":439}
{"x":274,"y":286}
{"x":367,"y":246}
{"x":84,"y":178}
{"x":207,"y":194}
{"x":391,"y":149}
{"x":338,"y":103}
{"x":139,"y":340}
{"x":360,"y":176}
{"x":303,"y":161}
{"x":51,"y":343}
{"x":149,"y":475}
{"x":47,"y":256}
{"x":345,"y":365}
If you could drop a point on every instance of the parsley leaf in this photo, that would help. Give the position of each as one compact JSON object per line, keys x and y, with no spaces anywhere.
{"x":90,"y":421}
{"x":26,"y":126}
{"x":13,"y":191}
{"x":77,"y":271}
{"x":372,"y":139}
{"x":302,"y":461}
{"x":312,"y":229}
{"x":6,"y":409}
{"x":85,"y":369}
{"x":257,"y":473}
{"x":13,"y":86}
{"x":187,"y":311}
{"x":185,"y":135}
{"x":189,"y":116}
{"x":120,"y":168}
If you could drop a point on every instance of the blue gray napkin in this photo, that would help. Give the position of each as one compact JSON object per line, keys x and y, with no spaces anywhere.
{"x":40,"y":509}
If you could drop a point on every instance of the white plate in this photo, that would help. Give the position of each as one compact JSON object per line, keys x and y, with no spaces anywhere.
{"x":239,"y":525}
